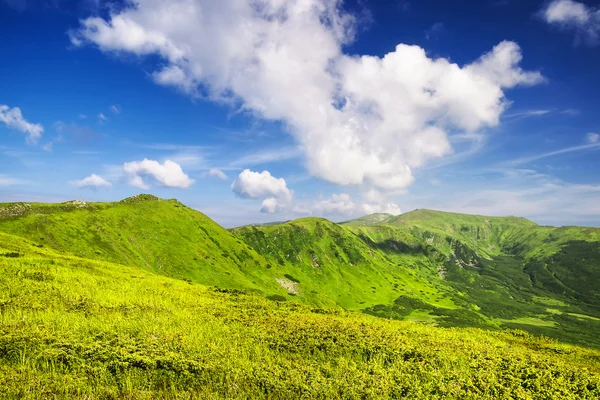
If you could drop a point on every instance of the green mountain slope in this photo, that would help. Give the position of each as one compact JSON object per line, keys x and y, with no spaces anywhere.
{"x":510,"y":270}
{"x":162,"y":236}
{"x":438,"y":268}
{"x":327,"y":262}
{"x":77,"y":328}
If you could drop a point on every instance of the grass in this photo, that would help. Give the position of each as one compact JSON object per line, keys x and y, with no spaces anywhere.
{"x":78,"y":328}
{"x":529,"y":321}
{"x":440,"y":268}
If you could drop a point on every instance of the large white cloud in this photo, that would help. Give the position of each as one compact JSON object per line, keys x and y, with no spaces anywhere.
{"x":168,"y":174}
{"x":13,"y":118}
{"x":576,"y":16}
{"x":91,"y":182}
{"x":263,"y":185}
{"x":359,"y":120}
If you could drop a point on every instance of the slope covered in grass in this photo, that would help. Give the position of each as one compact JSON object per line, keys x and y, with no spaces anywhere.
{"x":332,"y":263}
{"x":73,"y":328}
{"x":509,"y":270}
{"x":438,"y":268}
{"x":161,"y":236}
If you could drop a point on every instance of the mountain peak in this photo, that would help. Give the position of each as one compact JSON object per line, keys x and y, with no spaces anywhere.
{"x":140,"y":198}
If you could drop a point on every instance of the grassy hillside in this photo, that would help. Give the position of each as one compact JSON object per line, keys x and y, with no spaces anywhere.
{"x":162,"y":236}
{"x":509,"y":270}
{"x":78,"y":328}
{"x":329,"y":262}
{"x":437,"y":268}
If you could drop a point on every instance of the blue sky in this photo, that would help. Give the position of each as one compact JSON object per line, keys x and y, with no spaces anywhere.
{"x":285,"y":109}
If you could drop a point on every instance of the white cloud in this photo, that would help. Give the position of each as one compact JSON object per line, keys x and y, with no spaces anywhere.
{"x":359,"y":120}
{"x":168,"y":174}
{"x":254,"y":185}
{"x":82,"y":116}
{"x":215,"y":172}
{"x":47,"y":147}
{"x":575,"y":16}
{"x":342,"y":204}
{"x":270,"y":205}
{"x":91,"y":182}
{"x":13,"y":118}
{"x":592,"y":137}
{"x":527,"y":113}
{"x":102,"y":118}
{"x":262,"y":185}
{"x":115,"y":109}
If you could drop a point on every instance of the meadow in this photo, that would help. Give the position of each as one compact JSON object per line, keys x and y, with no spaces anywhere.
{"x":79,"y":328}
{"x":146,"y":298}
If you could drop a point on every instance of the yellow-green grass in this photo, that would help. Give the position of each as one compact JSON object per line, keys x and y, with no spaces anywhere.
{"x":74,"y":328}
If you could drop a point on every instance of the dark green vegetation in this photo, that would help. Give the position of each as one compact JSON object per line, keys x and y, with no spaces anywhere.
{"x":109,"y":300}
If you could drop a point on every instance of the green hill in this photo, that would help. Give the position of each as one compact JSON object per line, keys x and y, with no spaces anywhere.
{"x":335,"y":265}
{"x":161,"y":236}
{"x":437,"y":268}
{"x":81,"y":328}
{"x":509,"y":270}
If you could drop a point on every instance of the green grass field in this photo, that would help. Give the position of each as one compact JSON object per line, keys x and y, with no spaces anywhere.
{"x":80,"y":328}
{"x":146,"y":298}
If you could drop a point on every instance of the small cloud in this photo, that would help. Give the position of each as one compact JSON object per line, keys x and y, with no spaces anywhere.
{"x":434,"y":31}
{"x":102,"y":118}
{"x":82,"y":116}
{"x":217,"y":173}
{"x":270,"y":205}
{"x":574,"y":16}
{"x":342,"y":204}
{"x":115,"y":109}
{"x":47,"y":147}
{"x":13,"y":119}
{"x":571,"y":112}
{"x":527,"y":113}
{"x":91,"y":182}
{"x":168,"y":174}
{"x":592,"y":137}
{"x":257,"y":185}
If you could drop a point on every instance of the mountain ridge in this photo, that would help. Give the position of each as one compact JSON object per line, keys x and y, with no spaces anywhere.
{"x":440,"y":268}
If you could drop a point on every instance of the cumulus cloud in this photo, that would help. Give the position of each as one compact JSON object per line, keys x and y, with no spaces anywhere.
{"x":168,"y":174}
{"x":217,"y":173}
{"x":342,"y":204}
{"x":13,"y":119}
{"x":263,"y":185}
{"x":571,"y":15}
{"x":360,"y":120}
{"x":592,"y":137}
{"x":91,"y":182}
{"x":270,"y":205}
